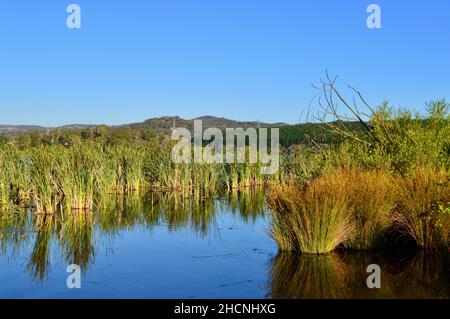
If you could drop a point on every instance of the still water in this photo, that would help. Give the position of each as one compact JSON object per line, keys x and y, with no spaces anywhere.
{"x":170,"y":246}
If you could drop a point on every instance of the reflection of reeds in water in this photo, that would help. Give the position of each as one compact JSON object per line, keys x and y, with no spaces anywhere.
{"x":120,"y":213}
{"x":344,"y":275}
{"x":13,"y":231}
{"x":178,"y":211}
{"x":38,"y":264}
{"x":76,"y":233}
{"x":248,"y":202}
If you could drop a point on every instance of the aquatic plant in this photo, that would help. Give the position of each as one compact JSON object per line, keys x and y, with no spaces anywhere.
{"x":423,"y":212}
{"x":44,"y":190}
{"x":373,"y":203}
{"x":315,"y":220}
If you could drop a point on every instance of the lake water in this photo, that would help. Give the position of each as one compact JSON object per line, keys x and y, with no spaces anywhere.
{"x":170,"y":246}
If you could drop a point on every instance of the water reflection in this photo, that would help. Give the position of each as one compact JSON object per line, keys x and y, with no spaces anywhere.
{"x":343,"y":275}
{"x":248,"y":203}
{"x":77,"y":233}
{"x":168,"y":257}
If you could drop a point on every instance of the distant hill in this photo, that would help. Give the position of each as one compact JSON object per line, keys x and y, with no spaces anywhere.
{"x":160,"y":124}
{"x":166,"y":123}
{"x":305,"y":133}
{"x":12,"y":129}
{"x":8,"y":129}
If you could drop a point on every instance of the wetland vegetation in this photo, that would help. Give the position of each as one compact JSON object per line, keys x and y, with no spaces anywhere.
{"x":352,"y":186}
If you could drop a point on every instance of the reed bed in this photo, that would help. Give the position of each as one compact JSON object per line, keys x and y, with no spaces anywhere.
{"x":84,"y":175}
{"x":14,"y":177}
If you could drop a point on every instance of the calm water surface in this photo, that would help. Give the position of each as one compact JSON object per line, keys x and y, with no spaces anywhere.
{"x":167,"y":246}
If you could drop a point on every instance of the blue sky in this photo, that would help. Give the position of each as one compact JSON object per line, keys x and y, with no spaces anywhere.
{"x":241,"y":59}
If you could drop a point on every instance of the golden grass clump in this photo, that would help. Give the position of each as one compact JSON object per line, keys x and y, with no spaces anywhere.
{"x":355,"y":208}
{"x":352,"y":207}
{"x":424,"y":207}
{"x":373,"y":201}
{"x":313,"y":220}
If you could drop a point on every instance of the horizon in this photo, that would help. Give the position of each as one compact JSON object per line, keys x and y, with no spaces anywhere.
{"x":251,"y":61}
{"x":146,"y":119}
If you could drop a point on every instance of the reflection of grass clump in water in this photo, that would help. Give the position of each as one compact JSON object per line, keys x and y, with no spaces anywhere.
{"x":309,"y":276}
{"x":425,"y":276}
{"x":422,"y":275}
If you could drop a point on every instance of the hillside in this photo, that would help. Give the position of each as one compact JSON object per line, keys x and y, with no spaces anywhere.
{"x":305,"y":133}
{"x":160,"y":124}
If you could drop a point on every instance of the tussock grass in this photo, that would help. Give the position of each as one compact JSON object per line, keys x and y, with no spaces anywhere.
{"x":356,"y":208}
{"x":315,"y":220}
{"x":373,"y":199}
{"x":424,"y":207}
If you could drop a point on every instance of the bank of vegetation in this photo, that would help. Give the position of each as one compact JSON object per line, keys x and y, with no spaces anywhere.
{"x":351,"y":184}
{"x":390,"y":184}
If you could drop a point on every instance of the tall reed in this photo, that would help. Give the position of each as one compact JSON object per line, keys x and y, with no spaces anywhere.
{"x":44,"y":191}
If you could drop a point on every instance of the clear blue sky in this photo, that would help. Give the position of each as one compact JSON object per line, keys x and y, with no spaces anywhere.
{"x":242,"y":59}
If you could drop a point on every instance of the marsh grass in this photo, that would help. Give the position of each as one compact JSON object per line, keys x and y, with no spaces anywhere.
{"x":77,"y":178}
{"x":373,"y":201}
{"x":14,"y":177}
{"x":315,"y":220}
{"x":357,"y":208}
{"x":44,"y":191}
{"x":423,"y":213}
{"x":82,"y":176}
